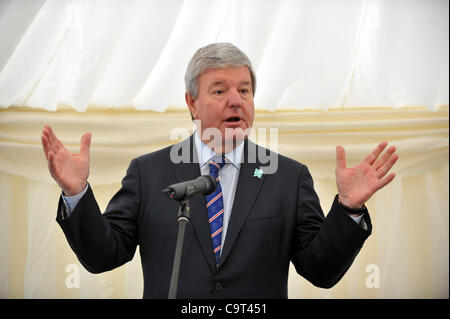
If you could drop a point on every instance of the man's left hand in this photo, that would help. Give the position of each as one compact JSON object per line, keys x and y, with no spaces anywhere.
{"x":357,"y":184}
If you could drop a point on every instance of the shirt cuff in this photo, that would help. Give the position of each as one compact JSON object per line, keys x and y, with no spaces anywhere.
{"x":72,"y":201}
{"x":357,"y":219}
{"x":360,"y":221}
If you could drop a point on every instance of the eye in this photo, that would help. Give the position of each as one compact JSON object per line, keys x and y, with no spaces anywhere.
{"x":219,"y":92}
{"x":244,"y":91}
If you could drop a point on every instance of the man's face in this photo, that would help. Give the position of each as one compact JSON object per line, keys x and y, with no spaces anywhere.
{"x":225,"y":103}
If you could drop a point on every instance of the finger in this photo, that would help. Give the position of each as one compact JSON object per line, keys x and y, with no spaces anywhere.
{"x":85,"y":144}
{"x":375,"y":153}
{"x":47,"y":134}
{"x":51,"y":163}
{"x":45,"y":145}
{"x":383,"y":182}
{"x":56,"y":142}
{"x":340,"y":158}
{"x":50,"y":138}
{"x":387,"y":166}
{"x":379,"y":162}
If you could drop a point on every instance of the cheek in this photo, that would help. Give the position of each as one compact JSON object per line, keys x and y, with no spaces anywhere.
{"x":250,"y":112}
{"x":213,"y":113}
{"x":200,"y":110}
{"x":210,"y":115}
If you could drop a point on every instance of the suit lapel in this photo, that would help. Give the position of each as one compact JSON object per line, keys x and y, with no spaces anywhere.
{"x":247,"y":190}
{"x":189,"y":170}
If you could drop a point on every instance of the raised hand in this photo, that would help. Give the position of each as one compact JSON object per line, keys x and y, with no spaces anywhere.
{"x":357,"y":184}
{"x":69,"y":170}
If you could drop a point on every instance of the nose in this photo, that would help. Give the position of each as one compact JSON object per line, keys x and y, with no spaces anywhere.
{"x":234,"y":99}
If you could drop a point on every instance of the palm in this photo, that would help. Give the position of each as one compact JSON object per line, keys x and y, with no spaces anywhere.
{"x":357,"y":184}
{"x":69,"y":170}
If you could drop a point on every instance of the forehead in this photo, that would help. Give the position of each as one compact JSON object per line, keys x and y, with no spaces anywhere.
{"x":233,"y":75}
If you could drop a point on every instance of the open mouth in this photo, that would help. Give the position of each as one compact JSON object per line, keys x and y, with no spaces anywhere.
{"x":233,"y":119}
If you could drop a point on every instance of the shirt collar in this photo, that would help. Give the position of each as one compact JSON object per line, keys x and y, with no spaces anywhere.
{"x":204,"y":153}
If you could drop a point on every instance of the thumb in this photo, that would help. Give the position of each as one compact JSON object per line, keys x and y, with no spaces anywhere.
{"x":340,"y":158}
{"x":85,"y":144}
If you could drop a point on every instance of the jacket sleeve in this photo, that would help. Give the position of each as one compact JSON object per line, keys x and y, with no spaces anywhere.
{"x":324,"y":248}
{"x":104,"y":241}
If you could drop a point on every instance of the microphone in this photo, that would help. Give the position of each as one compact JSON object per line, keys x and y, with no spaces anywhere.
{"x":204,"y":184}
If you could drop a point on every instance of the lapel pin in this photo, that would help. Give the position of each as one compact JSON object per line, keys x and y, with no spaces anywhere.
{"x":258,"y":172}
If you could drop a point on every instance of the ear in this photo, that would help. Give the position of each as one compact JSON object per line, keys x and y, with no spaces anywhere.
{"x":190,"y":101}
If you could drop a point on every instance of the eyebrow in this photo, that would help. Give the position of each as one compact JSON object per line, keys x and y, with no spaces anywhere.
{"x":220,"y":82}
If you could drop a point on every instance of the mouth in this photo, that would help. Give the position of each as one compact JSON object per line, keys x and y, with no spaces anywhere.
{"x":234,"y":122}
{"x":233,"y":119}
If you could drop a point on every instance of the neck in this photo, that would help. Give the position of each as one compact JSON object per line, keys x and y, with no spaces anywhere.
{"x":222,"y":145}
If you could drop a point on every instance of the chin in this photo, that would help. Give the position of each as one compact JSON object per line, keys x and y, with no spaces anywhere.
{"x":236,"y":129}
{"x":234,"y":137}
{"x":225,"y":139}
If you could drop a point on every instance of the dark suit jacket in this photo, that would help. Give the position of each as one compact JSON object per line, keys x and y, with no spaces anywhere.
{"x":275,"y":220}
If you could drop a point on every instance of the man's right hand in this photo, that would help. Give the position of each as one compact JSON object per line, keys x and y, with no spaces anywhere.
{"x":69,"y":170}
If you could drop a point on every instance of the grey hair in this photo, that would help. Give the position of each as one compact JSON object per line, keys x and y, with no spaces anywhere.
{"x":215,"y":56}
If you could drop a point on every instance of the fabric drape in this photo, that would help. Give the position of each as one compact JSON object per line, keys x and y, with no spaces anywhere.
{"x":307,"y":54}
{"x":406,"y":256}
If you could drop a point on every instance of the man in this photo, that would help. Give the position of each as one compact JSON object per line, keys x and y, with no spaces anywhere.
{"x":242,"y":237}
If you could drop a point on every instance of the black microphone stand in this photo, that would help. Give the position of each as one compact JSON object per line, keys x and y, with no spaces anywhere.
{"x":183,"y":219}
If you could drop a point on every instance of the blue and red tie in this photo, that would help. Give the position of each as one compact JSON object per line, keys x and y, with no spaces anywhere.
{"x":214,"y":203}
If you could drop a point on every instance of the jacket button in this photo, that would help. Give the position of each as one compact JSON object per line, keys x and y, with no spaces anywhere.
{"x":218,"y":286}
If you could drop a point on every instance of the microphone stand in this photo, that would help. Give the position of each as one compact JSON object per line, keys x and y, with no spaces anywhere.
{"x":183,"y":219}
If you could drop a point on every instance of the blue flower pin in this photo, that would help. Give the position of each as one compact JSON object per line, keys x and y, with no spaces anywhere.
{"x":258,"y":173}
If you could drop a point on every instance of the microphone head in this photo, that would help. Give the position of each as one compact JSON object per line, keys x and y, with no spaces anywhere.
{"x":211,"y":184}
{"x":204,"y":184}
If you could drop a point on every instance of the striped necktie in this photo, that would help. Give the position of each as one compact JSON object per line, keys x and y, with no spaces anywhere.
{"x":214,"y":204}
